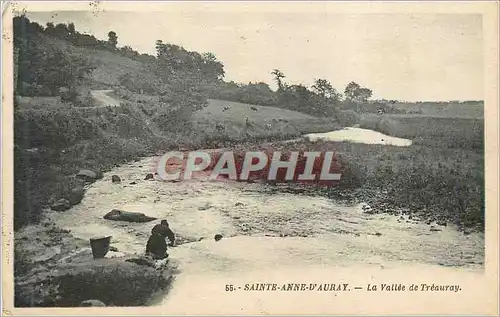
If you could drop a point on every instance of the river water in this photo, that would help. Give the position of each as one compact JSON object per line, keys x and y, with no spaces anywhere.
{"x":358,"y":135}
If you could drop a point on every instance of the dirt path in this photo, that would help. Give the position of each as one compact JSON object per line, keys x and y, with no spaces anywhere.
{"x":263,"y":231}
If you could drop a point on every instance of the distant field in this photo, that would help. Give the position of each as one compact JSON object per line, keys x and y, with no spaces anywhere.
{"x":446,"y":132}
{"x":425,"y":109}
{"x":451,"y":110}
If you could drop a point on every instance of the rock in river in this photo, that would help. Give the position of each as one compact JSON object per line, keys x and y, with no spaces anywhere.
{"x":121,"y":215}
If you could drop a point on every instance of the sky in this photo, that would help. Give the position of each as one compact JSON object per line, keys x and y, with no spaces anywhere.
{"x":413,"y":57}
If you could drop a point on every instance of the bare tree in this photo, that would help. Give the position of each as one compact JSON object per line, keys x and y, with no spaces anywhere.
{"x":278,"y":76}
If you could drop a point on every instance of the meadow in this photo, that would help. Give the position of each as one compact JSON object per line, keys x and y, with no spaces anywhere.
{"x":441,"y":176}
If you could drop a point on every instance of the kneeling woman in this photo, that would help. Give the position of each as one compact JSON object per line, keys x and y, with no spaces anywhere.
{"x":157,"y":246}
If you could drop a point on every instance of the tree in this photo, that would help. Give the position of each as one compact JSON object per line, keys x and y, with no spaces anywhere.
{"x":61,"y":31}
{"x":158,"y":47}
{"x":72,"y":31}
{"x":112,"y":39}
{"x":323,"y":88}
{"x":354,"y":92}
{"x":364,"y":94}
{"x":299,"y":98}
{"x":50,"y":29}
{"x":173,"y":61}
{"x":209,"y":57}
{"x":351,"y":90}
{"x":212,"y":68}
{"x":71,"y":28}
{"x":278,"y":76}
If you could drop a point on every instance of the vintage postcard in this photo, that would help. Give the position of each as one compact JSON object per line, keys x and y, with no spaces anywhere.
{"x":250,"y":158}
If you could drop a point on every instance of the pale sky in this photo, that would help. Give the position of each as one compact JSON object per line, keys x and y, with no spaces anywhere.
{"x":399,"y":56}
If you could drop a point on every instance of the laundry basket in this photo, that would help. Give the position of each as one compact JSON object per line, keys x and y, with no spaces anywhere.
{"x":100,"y":246}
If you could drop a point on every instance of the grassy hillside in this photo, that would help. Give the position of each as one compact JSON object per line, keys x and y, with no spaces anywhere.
{"x":109,"y":66}
{"x":238,"y":111}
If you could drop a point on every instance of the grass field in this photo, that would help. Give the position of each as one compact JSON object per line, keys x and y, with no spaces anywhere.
{"x":450,"y":110}
{"x":238,"y":111}
{"x":470,"y":109}
{"x":448,"y":132}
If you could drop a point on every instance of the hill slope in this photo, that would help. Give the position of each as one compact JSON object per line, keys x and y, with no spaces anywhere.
{"x":238,"y":111}
{"x":109,"y":66}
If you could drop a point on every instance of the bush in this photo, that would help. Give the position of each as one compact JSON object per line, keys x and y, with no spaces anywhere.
{"x":68,"y":94}
{"x":84,"y":99}
{"x":347,"y":118}
{"x":33,"y":89}
{"x":143,"y":82}
{"x":54,"y":128}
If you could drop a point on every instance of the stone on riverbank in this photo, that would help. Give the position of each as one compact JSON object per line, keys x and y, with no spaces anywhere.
{"x":61,"y":205}
{"x":88,"y":175}
{"x":76,"y":195}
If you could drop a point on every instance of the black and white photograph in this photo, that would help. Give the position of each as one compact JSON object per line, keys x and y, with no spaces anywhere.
{"x":251,"y":158}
